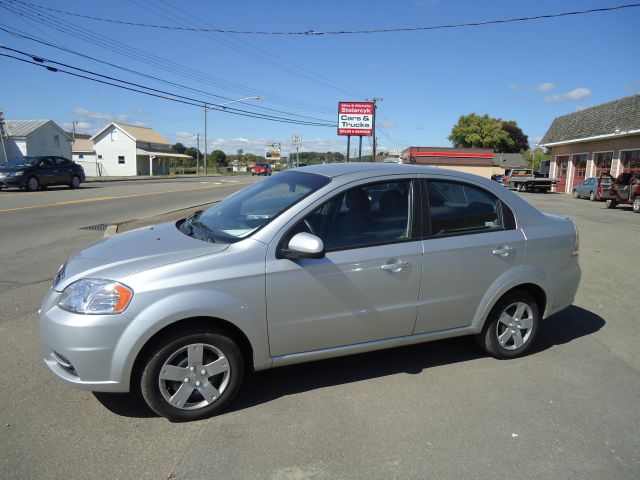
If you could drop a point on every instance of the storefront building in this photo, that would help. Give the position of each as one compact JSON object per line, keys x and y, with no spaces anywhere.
{"x":600,"y":139}
{"x":478,"y":161}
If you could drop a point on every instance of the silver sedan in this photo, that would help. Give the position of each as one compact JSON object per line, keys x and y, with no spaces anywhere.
{"x":311,"y":263}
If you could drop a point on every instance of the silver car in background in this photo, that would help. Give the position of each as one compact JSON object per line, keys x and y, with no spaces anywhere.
{"x":311,"y":263}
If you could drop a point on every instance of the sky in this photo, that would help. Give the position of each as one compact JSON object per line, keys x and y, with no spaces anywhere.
{"x":529,"y":72}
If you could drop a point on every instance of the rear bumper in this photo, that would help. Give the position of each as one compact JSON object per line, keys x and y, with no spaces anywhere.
{"x":564,"y":285}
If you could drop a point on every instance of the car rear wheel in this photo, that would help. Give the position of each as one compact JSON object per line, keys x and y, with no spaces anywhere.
{"x":75,"y":182}
{"x":193,"y":376}
{"x":592,"y":196}
{"x":511,"y":326}
{"x":32,"y":184}
{"x":636,"y":205}
{"x":611,"y":203}
{"x":574,"y":194}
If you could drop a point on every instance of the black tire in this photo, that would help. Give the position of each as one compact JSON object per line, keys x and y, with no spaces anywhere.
{"x":173,"y":350}
{"x":75,"y":182}
{"x":611,"y":203}
{"x":636,"y":205}
{"x":493,"y":328}
{"x":574,"y":194}
{"x":592,"y":196}
{"x":32,"y":184}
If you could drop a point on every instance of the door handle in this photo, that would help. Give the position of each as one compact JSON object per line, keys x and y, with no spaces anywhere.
{"x":502,"y":252}
{"x":395,"y":267}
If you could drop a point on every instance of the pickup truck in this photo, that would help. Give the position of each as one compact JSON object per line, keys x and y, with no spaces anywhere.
{"x":623,"y":190}
{"x":526,"y":180}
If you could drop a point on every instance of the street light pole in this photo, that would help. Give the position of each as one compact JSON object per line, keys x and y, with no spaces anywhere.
{"x":214,"y":107}
{"x":205,"y":138}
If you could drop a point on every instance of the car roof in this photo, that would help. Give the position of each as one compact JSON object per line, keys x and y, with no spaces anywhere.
{"x":333,"y":170}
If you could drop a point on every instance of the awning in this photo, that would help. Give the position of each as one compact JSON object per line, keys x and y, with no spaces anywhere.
{"x":139,"y":151}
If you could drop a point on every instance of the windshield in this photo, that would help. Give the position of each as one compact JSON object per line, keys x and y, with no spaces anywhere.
{"x":248,"y":210}
{"x":21,"y":161}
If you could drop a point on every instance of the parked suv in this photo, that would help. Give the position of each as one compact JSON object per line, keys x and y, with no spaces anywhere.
{"x":261,"y":169}
{"x":624,"y":189}
{"x":32,"y":173}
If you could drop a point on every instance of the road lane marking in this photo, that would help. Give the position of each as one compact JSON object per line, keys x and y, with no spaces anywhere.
{"x":102,"y":199}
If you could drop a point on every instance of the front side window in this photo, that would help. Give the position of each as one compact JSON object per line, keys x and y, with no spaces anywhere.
{"x":248,"y":210}
{"x":367,"y":215}
{"x":458,"y":208}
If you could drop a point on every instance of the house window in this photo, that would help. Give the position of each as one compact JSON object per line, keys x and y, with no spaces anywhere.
{"x":580,"y":164}
{"x":99,"y":157}
{"x":121,"y":159}
{"x":603,"y":162}
{"x":81,"y":155}
{"x":630,"y":161}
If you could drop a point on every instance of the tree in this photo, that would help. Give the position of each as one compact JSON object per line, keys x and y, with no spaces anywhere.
{"x":520,"y":140}
{"x":535,"y":157}
{"x":475,"y":131}
{"x":178,"y":148}
{"x":219,"y":157}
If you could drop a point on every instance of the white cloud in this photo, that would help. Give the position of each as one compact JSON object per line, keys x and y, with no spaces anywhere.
{"x":80,"y":126}
{"x":513,"y":87}
{"x":631,"y":86}
{"x":99,"y":116}
{"x":257,"y":145}
{"x":546,"y":86}
{"x":576,"y":94}
{"x":140,"y":124}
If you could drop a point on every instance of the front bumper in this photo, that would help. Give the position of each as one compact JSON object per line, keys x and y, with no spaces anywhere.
{"x":79,"y":349}
{"x":17,"y":182}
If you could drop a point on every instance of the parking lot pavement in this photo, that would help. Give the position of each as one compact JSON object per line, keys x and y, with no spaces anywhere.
{"x":437,"y":410}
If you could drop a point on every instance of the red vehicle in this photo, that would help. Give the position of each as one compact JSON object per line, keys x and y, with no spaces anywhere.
{"x":624,"y":190}
{"x":261,"y":169}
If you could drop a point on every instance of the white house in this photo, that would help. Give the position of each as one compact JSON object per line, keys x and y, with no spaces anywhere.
{"x":128,"y":150}
{"x":84,"y":154}
{"x":32,"y":138}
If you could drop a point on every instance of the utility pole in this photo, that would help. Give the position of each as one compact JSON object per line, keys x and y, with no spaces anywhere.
{"x":74,"y":123}
{"x":375,"y":101}
{"x":205,"y":138}
{"x":197,"y":154}
{"x":2,"y":135}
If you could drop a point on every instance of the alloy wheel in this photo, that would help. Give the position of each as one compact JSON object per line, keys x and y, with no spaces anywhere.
{"x":194,"y":376}
{"x":514,"y":326}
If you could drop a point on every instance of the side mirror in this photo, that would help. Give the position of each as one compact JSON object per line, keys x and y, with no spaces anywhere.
{"x":304,"y":245}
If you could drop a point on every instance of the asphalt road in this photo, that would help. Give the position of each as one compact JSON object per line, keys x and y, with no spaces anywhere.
{"x":570,"y":409}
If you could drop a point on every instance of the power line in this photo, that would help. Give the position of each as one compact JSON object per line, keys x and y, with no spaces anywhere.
{"x":335,"y":32}
{"x":64,"y":49}
{"x":77,"y":31}
{"x":39,"y":62}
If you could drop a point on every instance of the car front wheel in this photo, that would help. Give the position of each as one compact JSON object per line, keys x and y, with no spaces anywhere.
{"x":592,"y":196}
{"x":575,"y":194}
{"x":193,"y":376}
{"x":32,"y":184}
{"x":511,"y":326}
{"x":75,"y":182}
{"x":636,"y":205}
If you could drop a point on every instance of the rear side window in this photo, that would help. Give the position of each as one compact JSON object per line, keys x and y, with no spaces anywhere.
{"x":458,"y":208}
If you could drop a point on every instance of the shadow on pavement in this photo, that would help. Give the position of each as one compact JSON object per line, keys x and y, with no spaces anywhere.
{"x":262,"y":387}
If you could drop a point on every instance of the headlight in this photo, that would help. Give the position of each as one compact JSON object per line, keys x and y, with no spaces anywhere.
{"x":17,"y":174}
{"x":95,"y":296}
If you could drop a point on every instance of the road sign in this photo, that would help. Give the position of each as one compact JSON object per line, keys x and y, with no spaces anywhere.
{"x":272,"y":151}
{"x":355,"y":118}
{"x":296,"y":141}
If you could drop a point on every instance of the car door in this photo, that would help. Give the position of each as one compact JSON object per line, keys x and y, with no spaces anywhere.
{"x":366,"y":286}
{"x":471,"y":245}
{"x":64,"y":169}
{"x":46,"y":171}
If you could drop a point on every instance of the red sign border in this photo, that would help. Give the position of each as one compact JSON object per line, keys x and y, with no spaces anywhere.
{"x":357,"y":132}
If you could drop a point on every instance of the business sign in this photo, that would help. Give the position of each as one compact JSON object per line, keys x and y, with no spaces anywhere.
{"x":272,"y":151}
{"x":296,"y":141}
{"x":355,"y":118}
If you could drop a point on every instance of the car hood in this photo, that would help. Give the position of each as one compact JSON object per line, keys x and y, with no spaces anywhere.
{"x":134,"y":251}
{"x":6,"y":169}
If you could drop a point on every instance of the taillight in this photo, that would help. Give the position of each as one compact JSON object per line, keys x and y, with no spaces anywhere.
{"x":576,"y":243}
